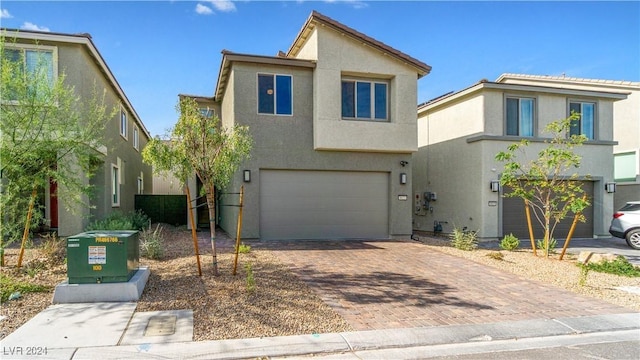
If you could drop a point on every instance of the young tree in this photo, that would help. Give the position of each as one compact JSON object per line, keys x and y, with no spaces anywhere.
{"x":48,"y":134}
{"x":548,"y":183}
{"x":213,"y":152}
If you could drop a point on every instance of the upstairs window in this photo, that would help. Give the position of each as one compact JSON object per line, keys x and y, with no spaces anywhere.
{"x":123,"y":123}
{"x":365,"y":100}
{"x":585,"y":124}
{"x":136,"y":138}
{"x":35,"y":63}
{"x":520,"y":115}
{"x":624,"y":166}
{"x":115,"y":186}
{"x":275,"y":94}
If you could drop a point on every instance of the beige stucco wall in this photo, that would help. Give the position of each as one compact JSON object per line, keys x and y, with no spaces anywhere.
{"x":338,"y":55}
{"x":459,"y":169}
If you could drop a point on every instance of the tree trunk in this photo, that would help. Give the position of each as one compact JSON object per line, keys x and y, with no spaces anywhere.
{"x":211,"y":204}
{"x":194,"y":237}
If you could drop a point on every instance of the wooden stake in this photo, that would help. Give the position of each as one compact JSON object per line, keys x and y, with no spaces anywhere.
{"x":573,"y":227}
{"x":25,"y":234}
{"x":193,"y":229}
{"x":239,"y":230}
{"x":533,"y":243}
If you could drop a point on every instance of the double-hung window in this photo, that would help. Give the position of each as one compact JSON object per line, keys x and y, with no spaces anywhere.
{"x":115,"y":185}
{"x":36,"y":63}
{"x":585,"y":124}
{"x":365,"y":100}
{"x":520,"y":116}
{"x":275,"y":94}
{"x":136,"y":138}
{"x":123,"y":123}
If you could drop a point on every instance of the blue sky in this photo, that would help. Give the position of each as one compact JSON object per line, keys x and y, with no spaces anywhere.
{"x":158,"y":49}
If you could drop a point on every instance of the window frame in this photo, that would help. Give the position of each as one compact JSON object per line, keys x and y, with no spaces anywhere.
{"x":136,"y":138}
{"x":123,"y":128}
{"x":275,"y":94}
{"x":23,"y":48}
{"x":594,"y":120}
{"x":534,"y":115}
{"x":115,"y":185}
{"x":371,"y":97}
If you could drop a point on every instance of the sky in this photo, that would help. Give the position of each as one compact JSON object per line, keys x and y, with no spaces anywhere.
{"x":159,"y":49}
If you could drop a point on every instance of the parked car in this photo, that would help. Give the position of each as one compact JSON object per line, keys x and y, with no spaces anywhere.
{"x":626,"y":224}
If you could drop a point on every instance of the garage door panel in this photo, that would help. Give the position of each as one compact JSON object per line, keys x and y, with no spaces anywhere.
{"x":514,"y":219}
{"x":323,"y":204}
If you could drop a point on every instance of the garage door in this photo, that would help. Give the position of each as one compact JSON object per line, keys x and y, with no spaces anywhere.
{"x":323,"y":205}
{"x":514,"y":219}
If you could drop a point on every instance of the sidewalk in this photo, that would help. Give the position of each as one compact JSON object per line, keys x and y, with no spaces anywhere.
{"x":97,"y":331}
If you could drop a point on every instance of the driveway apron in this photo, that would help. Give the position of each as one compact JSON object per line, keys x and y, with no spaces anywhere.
{"x":399,"y":284}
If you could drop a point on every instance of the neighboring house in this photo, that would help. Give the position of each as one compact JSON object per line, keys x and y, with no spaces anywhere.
{"x":334,"y":125}
{"x":123,"y":173}
{"x":626,"y":125}
{"x":460,"y":133}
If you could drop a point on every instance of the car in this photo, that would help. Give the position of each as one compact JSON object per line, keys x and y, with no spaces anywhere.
{"x":626,"y":224}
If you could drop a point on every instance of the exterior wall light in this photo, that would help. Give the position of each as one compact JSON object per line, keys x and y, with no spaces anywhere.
{"x":494,"y":185}
{"x":246,"y":176}
{"x":610,"y":187}
{"x":403,"y":178}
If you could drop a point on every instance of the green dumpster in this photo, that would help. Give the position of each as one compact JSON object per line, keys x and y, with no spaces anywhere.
{"x":102,"y":256}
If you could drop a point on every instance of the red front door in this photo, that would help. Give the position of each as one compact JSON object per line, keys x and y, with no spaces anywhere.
{"x":53,"y":203}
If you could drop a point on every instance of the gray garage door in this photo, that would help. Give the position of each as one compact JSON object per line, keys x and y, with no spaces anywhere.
{"x":514,"y":219}
{"x":323,"y":205}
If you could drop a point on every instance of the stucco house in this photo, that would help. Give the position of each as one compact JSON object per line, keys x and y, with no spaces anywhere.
{"x":460,"y":133}
{"x":626,"y":125}
{"x":334,"y":126}
{"x":122,"y":173}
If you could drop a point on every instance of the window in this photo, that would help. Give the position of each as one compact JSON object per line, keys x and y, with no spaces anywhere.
{"x":520,"y":115}
{"x":136,"y":138}
{"x":365,"y":100}
{"x":624,"y":166}
{"x":275,"y":94}
{"x":123,"y":123}
{"x":141,"y":183}
{"x":207,"y":113}
{"x":586,"y":123}
{"x":35,"y":62}
{"x":115,"y":185}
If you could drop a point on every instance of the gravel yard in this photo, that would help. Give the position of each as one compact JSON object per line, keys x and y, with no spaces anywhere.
{"x":225,"y":307}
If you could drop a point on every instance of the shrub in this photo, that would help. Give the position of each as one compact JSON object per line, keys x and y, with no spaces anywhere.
{"x":552,"y":246}
{"x":151,"y":243}
{"x":509,"y":242}
{"x":464,"y":240}
{"x":496,"y":255}
{"x":135,"y":220}
{"x":54,"y":248}
{"x":244,"y":249}
{"x":10,"y":286}
{"x":619,"y":266}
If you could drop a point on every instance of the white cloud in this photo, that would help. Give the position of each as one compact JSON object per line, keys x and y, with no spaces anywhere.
{"x":30,"y":26}
{"x":4,"y":14}
{"x":203,"y":9}
{"x":223,"y":5}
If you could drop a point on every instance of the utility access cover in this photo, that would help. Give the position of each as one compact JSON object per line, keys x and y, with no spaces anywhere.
{"x":161,"y":325}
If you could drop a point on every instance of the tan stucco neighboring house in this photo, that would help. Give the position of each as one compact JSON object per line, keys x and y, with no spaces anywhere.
{"x":334,"y":125}
{"x":626,"y":125}
{"x":122,"y":174}
{"x":460,"y":133}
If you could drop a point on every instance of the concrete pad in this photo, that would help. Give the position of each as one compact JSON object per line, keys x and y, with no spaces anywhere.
{"x":139,"y":332}
{"x":74,"y":325}
{"x":131,"y":290}
{"x":223,"y":349}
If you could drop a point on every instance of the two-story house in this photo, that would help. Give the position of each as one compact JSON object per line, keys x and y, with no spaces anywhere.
{"x":122,"y":173}
{"x":455,"y":173}
{"x":334,"y":126}
{"x":626,"y":125}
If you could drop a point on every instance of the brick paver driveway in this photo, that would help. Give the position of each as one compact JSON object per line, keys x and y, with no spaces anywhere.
{"x":394,"y":284}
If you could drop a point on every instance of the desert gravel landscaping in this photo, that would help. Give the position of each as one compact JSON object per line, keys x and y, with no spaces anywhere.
{"x":227,"y":307}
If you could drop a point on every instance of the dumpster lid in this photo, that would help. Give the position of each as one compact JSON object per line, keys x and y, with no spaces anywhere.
{"x":105,"y":233}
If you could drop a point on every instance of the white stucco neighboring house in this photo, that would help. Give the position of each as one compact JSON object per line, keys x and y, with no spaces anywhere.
{"x":460,"y":133}
{"x":626,"y":125}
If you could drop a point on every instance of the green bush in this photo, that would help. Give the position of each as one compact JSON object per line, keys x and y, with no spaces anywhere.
{"x":509,"y":242}
{"x":9,"y":286}
{"x":135,"y":220}
{"x":464,"y":240}
{"x":244,"y":249}
{"x":619,"y":266}
{"x":552,"y":246}
{"x":151,"y":243}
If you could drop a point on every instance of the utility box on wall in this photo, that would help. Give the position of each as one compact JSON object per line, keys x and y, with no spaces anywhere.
{"x":102,"y":256}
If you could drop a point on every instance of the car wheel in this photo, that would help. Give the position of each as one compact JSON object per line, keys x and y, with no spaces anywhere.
{"x":633,"y":239}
